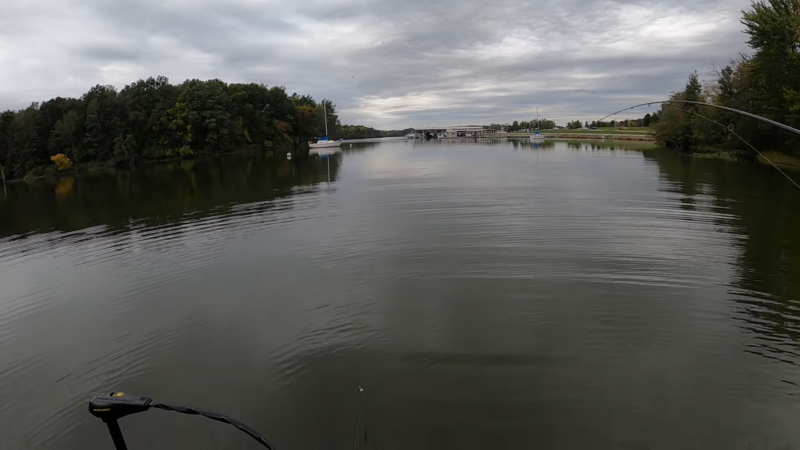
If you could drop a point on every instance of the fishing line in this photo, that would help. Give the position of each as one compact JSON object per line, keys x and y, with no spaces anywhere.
{"x":358,"y":426}
{"x":730,"y":130}
{"x":726,"y":128}
{"x":725,"y":108}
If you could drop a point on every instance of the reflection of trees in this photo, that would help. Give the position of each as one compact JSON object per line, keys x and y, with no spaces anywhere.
{"x":608,"y":145}
{"x":530,"y":145}
{"x":460,"y":142}
{"x":766,"y":210}
{"x":157,"y":194}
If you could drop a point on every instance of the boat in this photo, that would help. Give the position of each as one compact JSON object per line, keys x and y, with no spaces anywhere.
{"x":324,"y":142}
{"x":537,"y":135}
{"x":411,"y":136}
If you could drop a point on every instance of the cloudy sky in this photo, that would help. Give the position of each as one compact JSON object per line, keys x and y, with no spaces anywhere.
{"x":385,"y":63}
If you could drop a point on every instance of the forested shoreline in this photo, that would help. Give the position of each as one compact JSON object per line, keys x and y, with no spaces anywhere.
{"x":152,"y":119}
{"x":765,"y":82}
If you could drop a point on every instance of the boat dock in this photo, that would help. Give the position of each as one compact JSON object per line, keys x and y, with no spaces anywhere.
{"x":458,"y":131}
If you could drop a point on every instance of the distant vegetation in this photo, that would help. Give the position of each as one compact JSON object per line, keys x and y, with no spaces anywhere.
{"x":545,"y":124}
{"x":605,"y":130}
{"x":153,"y":119}
{"x":362,"y":132}
{"x":765,"y":82}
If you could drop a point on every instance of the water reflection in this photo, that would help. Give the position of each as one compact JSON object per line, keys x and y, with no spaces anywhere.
{"x":461,"y":142}
{"x":496,"y":294}
{"x":610,"y":146}
{"x":528,"y":144}
{"x":359,"y":147}
{"x":157,"y":194}
{"x":753,"y":201}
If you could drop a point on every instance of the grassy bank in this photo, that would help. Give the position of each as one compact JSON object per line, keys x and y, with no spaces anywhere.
{"x":780,"y":159}
{"x":600,"y":137}
{"x":609,"y":130}
{"x":639,"y":134}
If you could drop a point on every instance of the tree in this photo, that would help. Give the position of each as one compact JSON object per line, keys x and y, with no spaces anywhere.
{"x":647,"y":120}
{"x":66,"y":135}
{"x":772,"y":27}
{"x":152,"y":118}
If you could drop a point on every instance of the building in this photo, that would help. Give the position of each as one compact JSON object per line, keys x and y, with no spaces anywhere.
{"x":455,"y":132}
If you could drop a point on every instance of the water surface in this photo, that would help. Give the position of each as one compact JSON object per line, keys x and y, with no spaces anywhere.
{"x":487,"y":295}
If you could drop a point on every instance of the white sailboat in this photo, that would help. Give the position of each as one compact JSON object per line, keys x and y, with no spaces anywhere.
{"x":324,"y":142}
{"x":537,"y":135}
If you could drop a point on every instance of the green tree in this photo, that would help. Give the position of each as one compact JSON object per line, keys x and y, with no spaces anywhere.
{"x":772,"y":27}
{"x":152,"y":118}
{"x":66,"y":136}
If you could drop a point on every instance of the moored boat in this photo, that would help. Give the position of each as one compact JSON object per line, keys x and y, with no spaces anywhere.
{"x":324,"y":142}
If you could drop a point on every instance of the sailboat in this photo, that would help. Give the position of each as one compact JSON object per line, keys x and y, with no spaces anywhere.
{"x":537,"y":135}
{"x":324,"y":142}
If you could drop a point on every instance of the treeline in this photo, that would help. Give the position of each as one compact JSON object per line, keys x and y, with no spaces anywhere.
{"x":765,"y":82}
{"x":152,"y":119}
{"x":647,"y":121}
{"x":362,"y":132}
{"x":544,"y":124}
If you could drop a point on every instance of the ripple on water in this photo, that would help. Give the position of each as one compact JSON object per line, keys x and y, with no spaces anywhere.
{"x":559,"y":290}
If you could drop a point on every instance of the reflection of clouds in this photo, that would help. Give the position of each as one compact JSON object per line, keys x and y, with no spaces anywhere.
{"x":559,"y":293}
{"x":396,"y":163}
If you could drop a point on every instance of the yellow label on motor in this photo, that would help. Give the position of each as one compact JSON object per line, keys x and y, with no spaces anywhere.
{"x":102,"y":410}
{"x":117,"y":394}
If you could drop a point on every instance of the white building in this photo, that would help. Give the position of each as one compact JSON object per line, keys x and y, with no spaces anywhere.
{"x":455,"y":132}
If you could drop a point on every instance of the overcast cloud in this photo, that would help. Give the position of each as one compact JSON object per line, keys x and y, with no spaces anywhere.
{"x":385,"y":63}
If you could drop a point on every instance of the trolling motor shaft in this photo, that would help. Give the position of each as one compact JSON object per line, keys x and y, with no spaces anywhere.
{"x":112,"y":406}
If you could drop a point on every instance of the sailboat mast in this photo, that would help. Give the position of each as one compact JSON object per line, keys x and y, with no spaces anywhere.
{"x":325,"y":112}
{"x":537,"y":118}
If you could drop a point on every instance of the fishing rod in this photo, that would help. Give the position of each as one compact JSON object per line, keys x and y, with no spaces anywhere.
{"x":112,"y":406}
{"x":358,"y":426}
{"x":730,"y":130}
{"x":726,"y":128}
{"x":725,"y":108}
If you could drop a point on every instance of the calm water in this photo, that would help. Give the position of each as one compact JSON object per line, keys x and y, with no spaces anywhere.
{"x":487,"y":296}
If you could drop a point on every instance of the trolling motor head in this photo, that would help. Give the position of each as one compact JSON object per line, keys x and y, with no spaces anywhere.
{"x":112,"y":406}
{"x":116,"y":405}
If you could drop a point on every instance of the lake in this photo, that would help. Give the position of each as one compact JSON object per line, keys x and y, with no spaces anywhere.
{"x":486,"y":295}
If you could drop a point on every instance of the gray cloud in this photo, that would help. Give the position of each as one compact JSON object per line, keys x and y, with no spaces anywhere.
{"x":386,"y":64}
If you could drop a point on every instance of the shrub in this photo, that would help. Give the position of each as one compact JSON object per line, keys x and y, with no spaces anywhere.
{"x":62,"y":162}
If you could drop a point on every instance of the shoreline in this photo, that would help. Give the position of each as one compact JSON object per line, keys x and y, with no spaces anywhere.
{"x":87,"y":168}
{"x":594,"y":137}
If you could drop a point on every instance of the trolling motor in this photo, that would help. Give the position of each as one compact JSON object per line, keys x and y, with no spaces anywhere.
{"x":112,"y":406}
